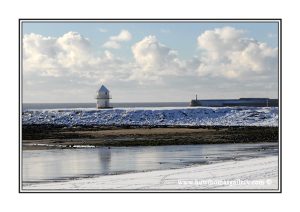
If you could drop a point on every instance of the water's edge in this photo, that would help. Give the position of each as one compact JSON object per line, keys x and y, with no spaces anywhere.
{"x":58,"y":165}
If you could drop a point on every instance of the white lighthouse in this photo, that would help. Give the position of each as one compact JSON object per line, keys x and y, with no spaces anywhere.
{"x":103,"y":98}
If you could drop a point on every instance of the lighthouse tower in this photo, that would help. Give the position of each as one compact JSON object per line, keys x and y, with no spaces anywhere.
{"x":103,"y":98}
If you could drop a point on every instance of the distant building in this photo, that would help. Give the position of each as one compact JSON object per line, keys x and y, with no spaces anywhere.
{"x":255,"y":102}
{"x":103,"y":98}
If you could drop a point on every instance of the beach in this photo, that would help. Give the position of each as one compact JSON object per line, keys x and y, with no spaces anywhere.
{"x":144,"y":149}
{"x":258,"y":173}
{"x":50,"y":136}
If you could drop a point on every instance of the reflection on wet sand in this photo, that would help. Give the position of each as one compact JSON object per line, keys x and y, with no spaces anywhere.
{"x":63,"y":164}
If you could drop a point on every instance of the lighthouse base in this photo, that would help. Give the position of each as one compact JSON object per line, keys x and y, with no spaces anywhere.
{"x":104,"y":107}
{"x":103,"y":103}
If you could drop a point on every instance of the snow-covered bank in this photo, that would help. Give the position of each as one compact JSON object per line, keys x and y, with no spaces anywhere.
{"x":258,"y":173}
{"x":197,"y":116}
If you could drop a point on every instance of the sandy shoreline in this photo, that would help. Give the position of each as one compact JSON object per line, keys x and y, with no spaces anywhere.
{"x":258,"y":173}
{"x":45,"y":136}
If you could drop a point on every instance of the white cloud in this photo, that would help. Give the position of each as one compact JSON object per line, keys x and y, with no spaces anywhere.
{"x":227,"y":52}
{"x":114,"y":41}
{"x":111,"y":44}
{"x":223,"y":52}
{"x":123,"y":36}
{"x":53,"y":56}
{"x":154,"y":59}
{"x":66,"y":56}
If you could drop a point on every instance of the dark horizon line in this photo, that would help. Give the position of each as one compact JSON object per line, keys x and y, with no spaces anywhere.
{"x":147,"y":102}
{"x":93,"y":102}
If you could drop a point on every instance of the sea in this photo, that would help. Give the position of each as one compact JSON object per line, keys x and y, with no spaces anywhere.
{"x":32,"y":106}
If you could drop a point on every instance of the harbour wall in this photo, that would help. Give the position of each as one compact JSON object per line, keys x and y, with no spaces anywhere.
{"x":254,"y":102}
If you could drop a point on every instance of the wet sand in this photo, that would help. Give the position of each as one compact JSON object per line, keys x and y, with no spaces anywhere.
{"x":51,"y":136}
{"x":256,"y":173}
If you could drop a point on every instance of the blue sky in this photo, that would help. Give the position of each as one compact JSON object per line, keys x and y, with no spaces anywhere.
{"x":184,"y":38}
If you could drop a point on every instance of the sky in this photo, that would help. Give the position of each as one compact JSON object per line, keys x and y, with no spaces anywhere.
{"x":148,"y":61}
